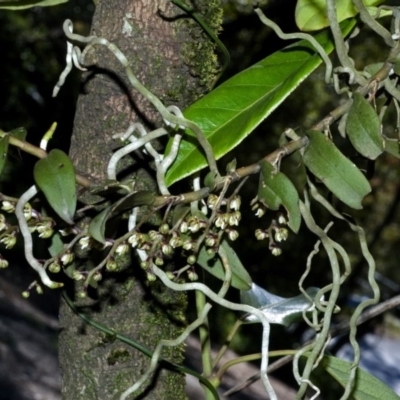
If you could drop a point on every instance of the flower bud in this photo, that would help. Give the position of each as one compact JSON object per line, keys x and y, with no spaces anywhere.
{"x":3,"y":263}
{"x":159,"y":261}
{"x":193,"y":224}
{"x":183,"y":227}
{"x":151,"y":277}
{"x":281,"y":234}
{"x":232,"y":234}
{"x":81,"y":294}
{"x":164,"y":229}
{"x":133,"y":240}
{"x":25,"y":294}
{"x":167,"y":249}
{"x":55,"y":267}
{"x":111,"y":265}
{"x":170,"y":276}
{"x":77,"y":276}
{"x":27,"y":211}
{"x":67,"y":258}
{"x":191,"y":259}
{"x":8,"y":206}
{"x":188,"y":245}
{"x":221,"y":221}
{"x":260,"y":234}
{"x":46,"y":233}
{"x":9,"y":240}
{"x":211,"y":251}
{"x":210,"y":240}
{"x":276,"y":251}
{"x":97,"y":276}
{"x":282,"y":220}
{"x":235,"y":203}
{"x":85,"y":242}
{"x":212,"y":201}
{"x":192,"y":276}
{"x":176,"y":241}
{"x":122,"y":249}
{"x":154,"y":235}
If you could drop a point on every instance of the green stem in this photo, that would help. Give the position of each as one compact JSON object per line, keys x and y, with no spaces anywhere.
{"x":205,"y":341}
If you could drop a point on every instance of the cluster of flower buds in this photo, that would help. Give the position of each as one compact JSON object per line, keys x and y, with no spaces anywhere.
{"x":277,"y":232}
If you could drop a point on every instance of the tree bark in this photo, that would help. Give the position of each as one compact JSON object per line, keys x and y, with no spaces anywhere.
{"x":170,"y":55}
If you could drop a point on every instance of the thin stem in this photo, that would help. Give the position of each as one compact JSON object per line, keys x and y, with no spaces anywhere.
{"x":205,"y":342}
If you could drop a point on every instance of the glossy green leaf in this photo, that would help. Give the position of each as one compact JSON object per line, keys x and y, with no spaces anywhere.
{"x":337,"y":172}
{"x":275,"y":190}
{"x":4,"y":141}
{"x":55,"y":176}
{"x":97,"y":226}
{"x":311,"y":15}
{"x":240,"y":277}
{"x":233,"y":110}
{"x":367,"y":387}
{"x":364,"y":128}
{"x":277,"y":310}
{"x":22,"y":4}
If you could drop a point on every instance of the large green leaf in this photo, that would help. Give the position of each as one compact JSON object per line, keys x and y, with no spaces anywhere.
{"x":275,"y":190}
{"x":367,"y":387}
{"x":240,"y":277}
{"x":337,"y":172}
{"x":55,"y":176}
{"x":231,"y":111}
{"x":22,"y":4}
{"x":364,"y":128}
{"x":311,"y":15}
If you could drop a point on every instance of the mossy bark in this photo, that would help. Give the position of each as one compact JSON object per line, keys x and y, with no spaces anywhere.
{"x":158,"y":39}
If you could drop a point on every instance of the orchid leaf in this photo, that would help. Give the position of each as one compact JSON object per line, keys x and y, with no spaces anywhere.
{"x":234,"y":109}
{"x":364,"y":128}
{"x":55,"y":176}
{"x":336,"y":171}
{"x":366,"y":387}
{"x":276,"y":190}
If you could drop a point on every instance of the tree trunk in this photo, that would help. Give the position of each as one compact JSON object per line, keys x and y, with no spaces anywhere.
{"x":171,"y":56}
